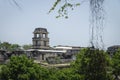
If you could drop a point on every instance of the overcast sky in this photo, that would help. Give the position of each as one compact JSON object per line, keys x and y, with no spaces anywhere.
{"x":17,"y":25}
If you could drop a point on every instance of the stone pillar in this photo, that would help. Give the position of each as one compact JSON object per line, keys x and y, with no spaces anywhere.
{"x":35,"y":35}
{"x":41,"y":35}
{"x":45,"y":35}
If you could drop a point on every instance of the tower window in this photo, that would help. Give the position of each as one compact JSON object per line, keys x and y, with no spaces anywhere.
{"x":44,"y":36}
{"x":37,"y":35}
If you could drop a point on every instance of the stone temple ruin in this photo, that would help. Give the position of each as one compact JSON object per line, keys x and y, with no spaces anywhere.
{"x":40,"y":39}
{"x":41,"y":51}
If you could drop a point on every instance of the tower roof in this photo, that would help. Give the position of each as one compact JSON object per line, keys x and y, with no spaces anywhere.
{"x":40,"y":30}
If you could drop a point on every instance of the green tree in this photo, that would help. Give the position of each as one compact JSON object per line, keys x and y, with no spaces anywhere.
{"x":5,"y":46}
{"x":116,"y":64}
{"x":64,"y":74}
{"x":0,"y":45}
{"x":92,"y":64}
{"x":15,"y":47}
{"x":21,"y":68}
{"x":25,"y":47}
{"x":9,"y":47}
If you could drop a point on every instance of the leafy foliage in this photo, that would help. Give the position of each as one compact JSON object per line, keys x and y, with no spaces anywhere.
{"x":63,"y":10}
{"x":5,"y":46}
{"x":64,"y":74}
{"x":21,"y":68}
{"x":92,"y":64}
{"x":14,"y":47}
{"x":25,"y":47}
{"x":9,"y":47}
{"x":116,"y":64}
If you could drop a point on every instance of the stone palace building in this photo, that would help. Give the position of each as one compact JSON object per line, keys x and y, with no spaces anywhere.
{"x":41,"y":50}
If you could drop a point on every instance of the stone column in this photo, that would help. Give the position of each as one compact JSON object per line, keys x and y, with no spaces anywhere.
{"x":35,"y":35}
{"x":45,"y":35}
{"x":41,"y":35}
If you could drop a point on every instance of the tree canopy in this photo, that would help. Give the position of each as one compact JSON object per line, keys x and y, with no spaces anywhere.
{"x":27,"y":46}
{"x":9,"y":47}
{"x":116,"y":65}
{"x":92,"y":64}
{"x":22,"y":68}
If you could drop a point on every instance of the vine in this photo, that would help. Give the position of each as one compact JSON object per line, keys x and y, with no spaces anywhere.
{"x":96,"y":23}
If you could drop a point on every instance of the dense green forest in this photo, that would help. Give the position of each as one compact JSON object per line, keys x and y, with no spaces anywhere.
{"x":90,"y":64}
